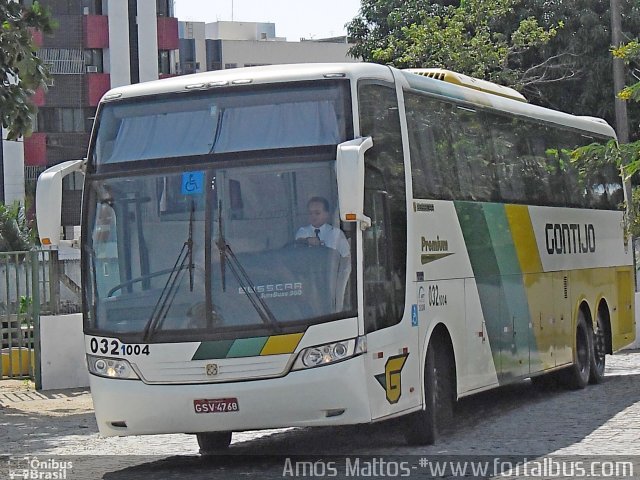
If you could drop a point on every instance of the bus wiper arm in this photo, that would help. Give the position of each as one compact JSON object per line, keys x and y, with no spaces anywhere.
{"x":189,"y":245}
{"x":221,"y":243}
{"x":169,"y":291}
{"x":167,"y":295}
{"x":241,"y":275}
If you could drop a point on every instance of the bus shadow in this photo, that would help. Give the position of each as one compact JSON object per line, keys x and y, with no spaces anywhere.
{"x":516,"y":420}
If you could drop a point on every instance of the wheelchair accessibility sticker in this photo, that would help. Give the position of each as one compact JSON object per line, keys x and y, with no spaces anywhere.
{"x":192,"y":183}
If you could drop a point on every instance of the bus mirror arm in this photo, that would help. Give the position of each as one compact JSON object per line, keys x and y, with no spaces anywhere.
{"x":350,"y":177}
{"x":49,"y":202}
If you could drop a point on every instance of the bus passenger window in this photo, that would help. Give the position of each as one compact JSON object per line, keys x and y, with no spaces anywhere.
{"x":476,"y":169}
{"x":434,"y":171}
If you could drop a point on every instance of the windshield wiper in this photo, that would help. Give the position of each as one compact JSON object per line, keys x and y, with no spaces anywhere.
{"x":241,"y":275}
{"x":189,"y":244}
{"x":221,"y":243}
{"x":170,"y":289}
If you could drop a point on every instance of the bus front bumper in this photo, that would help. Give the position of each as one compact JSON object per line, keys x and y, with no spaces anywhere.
{"x":329,"y":395}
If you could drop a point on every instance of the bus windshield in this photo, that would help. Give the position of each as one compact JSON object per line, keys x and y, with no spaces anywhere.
{"x":222,"y":121}
{"x":255,"y":249}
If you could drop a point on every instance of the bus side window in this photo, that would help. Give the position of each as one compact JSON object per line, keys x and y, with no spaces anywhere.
{"x":476,"y":169}
{"x":385,"y":243}
{"x":434,"y":170}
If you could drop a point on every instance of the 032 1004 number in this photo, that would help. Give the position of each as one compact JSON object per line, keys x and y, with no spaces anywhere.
{"x":114,"y":347}
{"x":436,"y":299}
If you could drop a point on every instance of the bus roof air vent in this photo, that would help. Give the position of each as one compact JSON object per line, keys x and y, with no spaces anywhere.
{"x":469,"y":82}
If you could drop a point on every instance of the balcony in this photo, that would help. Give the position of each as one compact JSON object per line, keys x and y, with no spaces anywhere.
{"x":168,"y":33}
{"x":38,"y":97}
{"x":97,"y":85}
{"x":95,"y":30}
{"x":37,"y":36}
{"x":35,"y":150}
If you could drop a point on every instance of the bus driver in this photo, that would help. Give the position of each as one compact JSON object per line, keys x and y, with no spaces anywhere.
{"x":321,"y":233}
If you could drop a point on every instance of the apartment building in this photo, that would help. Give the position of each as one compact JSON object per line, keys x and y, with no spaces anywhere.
{"x":222,"y":45}
{"x":99,"y":44}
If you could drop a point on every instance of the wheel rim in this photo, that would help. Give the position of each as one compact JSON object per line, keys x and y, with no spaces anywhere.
{"x":599,"y":346}
{"x":582,"y":349}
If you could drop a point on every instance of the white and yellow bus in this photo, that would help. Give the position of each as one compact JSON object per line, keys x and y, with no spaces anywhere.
{"x":459,"y":250}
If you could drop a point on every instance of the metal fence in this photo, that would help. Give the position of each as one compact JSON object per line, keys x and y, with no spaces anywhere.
{"x":20,"y":315}
{"x":33,"y":283}
{"x":59,"y":283}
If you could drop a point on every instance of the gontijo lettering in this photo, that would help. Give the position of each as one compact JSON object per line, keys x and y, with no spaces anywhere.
{"x":564,"y":238}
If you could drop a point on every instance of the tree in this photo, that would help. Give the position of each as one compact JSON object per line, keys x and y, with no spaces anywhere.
{"x":573,"y":71}
{"x":21,"y":71}
{"x":15,"y":233}
{"x":481,"y":38}
{"x":624,"y":156}
{"x":556,"y":52}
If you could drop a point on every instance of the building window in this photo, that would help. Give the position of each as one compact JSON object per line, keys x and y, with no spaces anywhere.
{"x":92,"y":7}
{"x":93,"y":60}
{"x":62,"y":120}
{"x":230,"y":65}
{"x":164,"y":8}
{"x":164,"y":63}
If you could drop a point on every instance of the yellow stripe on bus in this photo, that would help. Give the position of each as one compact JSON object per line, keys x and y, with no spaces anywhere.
{"x":523,"y":238}
{"x":279,"y":344}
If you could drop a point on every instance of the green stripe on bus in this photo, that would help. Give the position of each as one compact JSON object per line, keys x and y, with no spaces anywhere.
{"x":500,"y":233}
{"x":477,"y":239}
{"x":485,"y":269}
{"x":503,"y":296}
{"x":211,"y":350}
{"x":514,"y":313}
{"x":247,"y":347}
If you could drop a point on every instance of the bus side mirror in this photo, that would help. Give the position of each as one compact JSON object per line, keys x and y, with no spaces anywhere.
{"x":350,"y":176}
{"x":49,"y":201}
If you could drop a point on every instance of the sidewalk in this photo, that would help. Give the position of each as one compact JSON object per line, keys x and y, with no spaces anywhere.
{"x":21,"y":395}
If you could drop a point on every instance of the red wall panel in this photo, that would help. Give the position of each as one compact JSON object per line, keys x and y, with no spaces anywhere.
{"x":97,"y":85}
{"x":35,"y":150}
{"x":96,"y":31}
{"x":168,"y":33}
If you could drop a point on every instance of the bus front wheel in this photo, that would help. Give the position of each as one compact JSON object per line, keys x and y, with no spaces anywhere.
{"x":211,"y":443}
{"x":422,"y":427}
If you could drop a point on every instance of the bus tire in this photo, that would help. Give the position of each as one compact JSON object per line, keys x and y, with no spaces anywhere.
{"x":598,"y":350}
{"x":422,"y":427}
{"x":211,"y":443}
{"x":577,"y":375}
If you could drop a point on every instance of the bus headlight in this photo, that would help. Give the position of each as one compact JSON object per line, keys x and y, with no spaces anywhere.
{"x":111,"y":368}
{"x":330,"y":353}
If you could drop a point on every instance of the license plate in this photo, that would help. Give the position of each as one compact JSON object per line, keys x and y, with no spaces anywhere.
{"x":216,"y":405}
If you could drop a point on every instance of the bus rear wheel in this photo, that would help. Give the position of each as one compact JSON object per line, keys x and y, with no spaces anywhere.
{"x":422,"y":427}
{"x":577,"y":376}
{"x":211,"y":443}
{"x":599,"y":350}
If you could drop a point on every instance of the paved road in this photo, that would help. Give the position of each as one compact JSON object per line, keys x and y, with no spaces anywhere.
{"x":517,"y":421}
